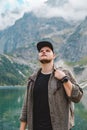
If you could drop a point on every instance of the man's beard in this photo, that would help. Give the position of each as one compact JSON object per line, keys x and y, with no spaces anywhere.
{"x":45,"y":61}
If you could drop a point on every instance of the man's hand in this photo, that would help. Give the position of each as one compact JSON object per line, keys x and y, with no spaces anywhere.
{"x":59,"y":74}
{"x":23,"y":125}
{"x":68,"y":85}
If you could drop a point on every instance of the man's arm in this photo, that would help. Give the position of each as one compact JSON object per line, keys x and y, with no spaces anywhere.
{"x":67,"y":85}
{"x":23,"y":116}
{"x":68,"y":88}
{"x":23,"y":125}
{"x":73,"y":91}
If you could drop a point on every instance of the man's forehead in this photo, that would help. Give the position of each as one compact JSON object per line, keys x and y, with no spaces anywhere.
{"x":46,"y":47}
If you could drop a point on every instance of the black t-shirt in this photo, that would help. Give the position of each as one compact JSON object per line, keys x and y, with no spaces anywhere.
{"x":41,"y":113}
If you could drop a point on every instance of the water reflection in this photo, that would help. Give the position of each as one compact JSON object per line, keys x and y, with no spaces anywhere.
{"x":11,"y":99}
{"x":10,"y":107}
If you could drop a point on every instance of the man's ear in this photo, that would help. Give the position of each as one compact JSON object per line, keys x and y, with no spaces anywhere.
{"x":54,"y":55}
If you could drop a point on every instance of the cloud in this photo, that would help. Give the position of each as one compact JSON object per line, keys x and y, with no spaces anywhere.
{"x":11,"y":10}
{"x":78,"y":4}
{"x":71,"y":10}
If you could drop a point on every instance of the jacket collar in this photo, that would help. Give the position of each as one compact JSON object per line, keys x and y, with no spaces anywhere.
{"x":34,"y":75}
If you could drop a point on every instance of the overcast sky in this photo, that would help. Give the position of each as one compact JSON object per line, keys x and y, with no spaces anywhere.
{"x":11,"y":10}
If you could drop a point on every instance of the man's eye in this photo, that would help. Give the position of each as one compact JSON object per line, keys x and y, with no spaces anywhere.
{"x":41,"y":50}
{"x":47,"y":50}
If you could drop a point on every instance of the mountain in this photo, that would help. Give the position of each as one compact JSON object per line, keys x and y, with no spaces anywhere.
{"x":75,"y":47}
{"x":70,"y":41}
{"x":31,"y":29}
{"x":12,"y":73}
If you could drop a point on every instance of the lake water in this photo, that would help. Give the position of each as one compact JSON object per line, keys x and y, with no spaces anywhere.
{"x":11,"y":99}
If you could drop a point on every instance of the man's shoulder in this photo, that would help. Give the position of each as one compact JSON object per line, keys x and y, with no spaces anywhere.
{"x":66,"y":70}
{"x":31,"y":79}
{"x":62,"y":68}
{"x":34,"y":74}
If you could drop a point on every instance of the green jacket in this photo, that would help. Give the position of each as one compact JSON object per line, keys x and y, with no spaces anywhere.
{"x":61,"y":106}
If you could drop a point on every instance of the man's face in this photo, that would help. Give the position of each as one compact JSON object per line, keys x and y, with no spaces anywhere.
{"x":46,"y":55}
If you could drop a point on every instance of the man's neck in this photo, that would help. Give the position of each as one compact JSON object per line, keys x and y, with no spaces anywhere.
{"x":47,"y":68}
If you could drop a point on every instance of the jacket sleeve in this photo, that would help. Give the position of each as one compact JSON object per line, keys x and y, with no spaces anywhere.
{"x":23,"y":116}
{"x":77,"y":91}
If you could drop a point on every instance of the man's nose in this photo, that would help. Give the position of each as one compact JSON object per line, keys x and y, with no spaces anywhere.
{"x":44,"y":51}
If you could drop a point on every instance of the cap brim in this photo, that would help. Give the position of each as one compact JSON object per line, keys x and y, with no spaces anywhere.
{"x":44,"y":44}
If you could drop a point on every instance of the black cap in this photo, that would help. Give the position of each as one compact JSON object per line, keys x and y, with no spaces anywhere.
{"x":44,"y":44}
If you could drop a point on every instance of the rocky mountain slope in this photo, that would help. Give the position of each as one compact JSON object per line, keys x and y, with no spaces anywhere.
{"x":31,"y":29}
{"x":75,"y":47}
{"x":12,"y":73}
{"x":70,"y":41}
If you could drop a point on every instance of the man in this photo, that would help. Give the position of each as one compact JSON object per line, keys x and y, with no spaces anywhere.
{"x":50,"y":94}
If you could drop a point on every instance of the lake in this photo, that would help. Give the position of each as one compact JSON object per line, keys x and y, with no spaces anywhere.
{"x":11,"y":99}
